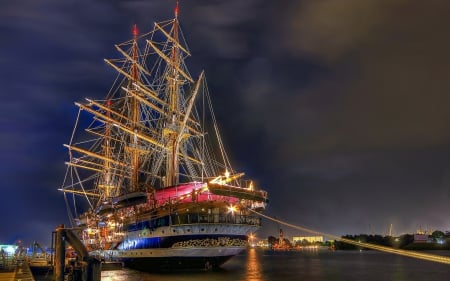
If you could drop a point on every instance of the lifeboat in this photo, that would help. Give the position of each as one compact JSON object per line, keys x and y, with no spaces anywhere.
{"x":129,"y":199}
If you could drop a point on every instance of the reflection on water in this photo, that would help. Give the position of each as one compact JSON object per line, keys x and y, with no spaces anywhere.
{"x":321,"y":265}
{"x":116,"y":275}
{"x":253,"y":270}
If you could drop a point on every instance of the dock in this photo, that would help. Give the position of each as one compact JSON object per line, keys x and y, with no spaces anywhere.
{"x":20,"y":271}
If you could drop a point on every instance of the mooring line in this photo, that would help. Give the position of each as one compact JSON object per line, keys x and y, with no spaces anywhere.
{"x":412,"y":254}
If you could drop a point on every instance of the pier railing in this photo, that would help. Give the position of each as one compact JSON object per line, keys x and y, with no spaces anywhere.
{"x":7,"y":261}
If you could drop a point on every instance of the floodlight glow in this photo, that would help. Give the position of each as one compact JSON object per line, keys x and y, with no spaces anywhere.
{"x":232,"y":209}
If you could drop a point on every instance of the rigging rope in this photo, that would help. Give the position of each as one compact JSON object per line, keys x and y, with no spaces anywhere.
{"x":225,"y":159}
{"x":69,"y":212}
{"x":412,"y":254}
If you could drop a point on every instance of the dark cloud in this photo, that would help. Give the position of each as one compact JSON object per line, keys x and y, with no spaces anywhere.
{"x":377,"y":99}
{"x":388,"y":61}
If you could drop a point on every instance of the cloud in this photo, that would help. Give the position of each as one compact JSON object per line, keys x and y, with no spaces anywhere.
{"x":383,"y":83}
{"x":330,"y":29}
{"x":353,"y":99}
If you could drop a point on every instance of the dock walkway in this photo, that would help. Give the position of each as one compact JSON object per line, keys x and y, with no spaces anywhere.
{"x":19,"y":272}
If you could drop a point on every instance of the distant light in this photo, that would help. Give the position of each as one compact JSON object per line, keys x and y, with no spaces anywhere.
{"x":10,"y":250}
{"x":227,"y":174}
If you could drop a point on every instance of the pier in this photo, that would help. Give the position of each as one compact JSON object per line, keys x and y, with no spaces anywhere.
{"x":19,"y":271}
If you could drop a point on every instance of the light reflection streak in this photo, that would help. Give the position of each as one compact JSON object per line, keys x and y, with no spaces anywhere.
{"x":412,"y":254}
{"x":114,"y":275}
{"x":253,"y":272}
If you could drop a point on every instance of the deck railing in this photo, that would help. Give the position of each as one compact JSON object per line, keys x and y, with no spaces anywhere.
{"x":193,"y":218}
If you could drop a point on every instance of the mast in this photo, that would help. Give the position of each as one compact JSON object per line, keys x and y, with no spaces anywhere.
{"x":106,"y":183}
{"x":171,"y":130}
{"x":146,"y":120}
{"x":135,"y":114}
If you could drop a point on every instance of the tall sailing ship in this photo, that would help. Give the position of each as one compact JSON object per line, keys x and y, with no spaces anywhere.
{"x":148,"y":180}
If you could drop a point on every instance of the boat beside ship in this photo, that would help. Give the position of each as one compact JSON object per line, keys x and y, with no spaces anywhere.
{"x":148,"y":180}
{"x":40,"y":261}
{"x":40,"y":264}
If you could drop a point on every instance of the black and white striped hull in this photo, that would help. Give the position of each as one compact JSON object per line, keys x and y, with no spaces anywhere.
{"x":186,"y":247}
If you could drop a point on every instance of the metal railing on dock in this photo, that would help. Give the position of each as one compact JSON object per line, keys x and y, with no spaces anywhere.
{"x":7,"y":261}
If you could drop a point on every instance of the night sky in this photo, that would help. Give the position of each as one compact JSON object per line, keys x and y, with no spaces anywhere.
{"x":340,"y":109}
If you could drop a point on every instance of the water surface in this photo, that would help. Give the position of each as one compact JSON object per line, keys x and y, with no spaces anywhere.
{"x":308,"y":265}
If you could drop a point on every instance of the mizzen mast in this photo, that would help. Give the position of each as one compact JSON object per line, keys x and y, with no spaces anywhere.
{"x":106,"y":181}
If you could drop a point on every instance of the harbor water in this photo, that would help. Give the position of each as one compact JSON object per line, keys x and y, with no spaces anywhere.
{"x":308,"y":265}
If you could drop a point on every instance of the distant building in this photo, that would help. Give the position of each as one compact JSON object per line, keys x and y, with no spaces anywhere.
{"x":421,"y":238}
{"x":308,"y":239}
{"x":8,"y":249}
{"x":281,"y":239}
{"x":263,"y":243}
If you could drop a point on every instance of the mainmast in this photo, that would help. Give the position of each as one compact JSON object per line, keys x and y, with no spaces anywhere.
{"x":135,"y":114}
{"x":172,"y":129}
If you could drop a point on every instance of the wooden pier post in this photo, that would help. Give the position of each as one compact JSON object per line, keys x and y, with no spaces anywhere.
{"x":60,"y":253}
{"x":88,"y":268}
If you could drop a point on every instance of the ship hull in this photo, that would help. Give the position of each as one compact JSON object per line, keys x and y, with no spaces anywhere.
{"x":183,"y":247}
{"x":40,"y":265}
{"x":39,"y":270}
{"x":189,"y":260}
{"x":188,"y":257}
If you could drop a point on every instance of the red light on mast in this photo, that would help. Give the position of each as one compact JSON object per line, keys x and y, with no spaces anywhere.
{"x":176,"y":10}
{"x":135,"y":31}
